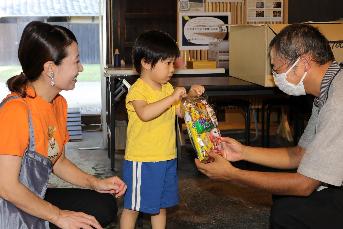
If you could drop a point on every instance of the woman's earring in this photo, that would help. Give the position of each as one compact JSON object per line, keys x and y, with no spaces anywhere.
{"x":52,"y":79}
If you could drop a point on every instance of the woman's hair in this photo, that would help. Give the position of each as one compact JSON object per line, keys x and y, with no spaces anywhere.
{"x":298,"y":39}
{"x":39,"y":43}
{"x":153,"y":46}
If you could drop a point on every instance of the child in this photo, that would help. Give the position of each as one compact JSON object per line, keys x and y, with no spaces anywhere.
{"x":149,"y":167}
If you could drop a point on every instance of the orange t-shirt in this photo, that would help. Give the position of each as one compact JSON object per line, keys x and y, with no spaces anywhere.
{"x":49,"y":123}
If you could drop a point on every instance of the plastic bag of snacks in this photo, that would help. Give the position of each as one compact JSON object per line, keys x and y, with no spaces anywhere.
{"x":202,"y":126}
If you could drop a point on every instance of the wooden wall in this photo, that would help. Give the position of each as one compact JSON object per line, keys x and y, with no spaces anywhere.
{"x":128,"y":18}
{"x":238,"y":16}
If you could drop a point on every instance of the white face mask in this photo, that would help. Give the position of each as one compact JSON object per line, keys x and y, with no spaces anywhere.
{"x":287,"y":87}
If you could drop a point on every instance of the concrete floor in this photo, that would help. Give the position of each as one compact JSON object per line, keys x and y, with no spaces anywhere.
{"x":204,"y":203}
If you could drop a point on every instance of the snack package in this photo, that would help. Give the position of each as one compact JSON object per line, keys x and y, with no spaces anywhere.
{"x":202,"y":126}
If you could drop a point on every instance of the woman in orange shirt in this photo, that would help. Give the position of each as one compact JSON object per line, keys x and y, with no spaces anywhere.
{"x":33,"y":120}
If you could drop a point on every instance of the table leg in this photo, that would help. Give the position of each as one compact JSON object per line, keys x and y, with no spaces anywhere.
{"x":112,"y":126}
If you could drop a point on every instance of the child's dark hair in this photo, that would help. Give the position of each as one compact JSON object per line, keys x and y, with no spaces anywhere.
{"x":153,"y":46}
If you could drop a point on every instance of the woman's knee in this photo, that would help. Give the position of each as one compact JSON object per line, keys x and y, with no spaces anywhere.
{"x":102,"y":206}
{"x":106,"y":210}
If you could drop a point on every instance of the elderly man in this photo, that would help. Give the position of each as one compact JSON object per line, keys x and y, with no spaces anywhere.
{"x":312,"y":197}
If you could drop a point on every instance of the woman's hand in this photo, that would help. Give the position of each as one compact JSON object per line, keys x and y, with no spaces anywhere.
{"x":219,"y":168}
{"x":196,"y":90}
{"x":231,"y":149}
{"x":75,"y":220}
{"x":113,"y":185}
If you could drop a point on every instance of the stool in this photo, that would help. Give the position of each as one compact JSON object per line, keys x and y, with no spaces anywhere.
{"x":255,"y":108}
{"x":268,"y":106}
{"x":244,"y":105}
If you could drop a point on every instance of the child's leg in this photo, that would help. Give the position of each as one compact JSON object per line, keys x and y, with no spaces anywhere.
{"x":159,"y":221}
{"x":128,"y":219}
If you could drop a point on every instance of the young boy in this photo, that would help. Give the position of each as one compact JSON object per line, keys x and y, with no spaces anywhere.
{"x":149,"y":168}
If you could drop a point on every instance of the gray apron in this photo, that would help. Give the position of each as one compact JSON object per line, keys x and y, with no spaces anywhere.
{"x":34,"y":174}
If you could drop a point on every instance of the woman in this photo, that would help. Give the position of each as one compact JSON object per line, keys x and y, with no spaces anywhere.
{"x":33,"y":135}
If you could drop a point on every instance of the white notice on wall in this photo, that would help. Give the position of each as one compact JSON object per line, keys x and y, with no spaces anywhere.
{"x":264,"y":11}
{"x":197,"y":30}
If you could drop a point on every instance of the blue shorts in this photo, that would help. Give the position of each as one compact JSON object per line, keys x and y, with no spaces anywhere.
{"x":150,"y":185}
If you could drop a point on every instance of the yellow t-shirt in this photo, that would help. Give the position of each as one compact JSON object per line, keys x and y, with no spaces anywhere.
{"x":153,"y":140}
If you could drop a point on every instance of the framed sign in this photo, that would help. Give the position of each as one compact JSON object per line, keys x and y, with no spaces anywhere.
{"x":197,"y":29}
{"x":191,"y":5}
{"x":265,"y":10}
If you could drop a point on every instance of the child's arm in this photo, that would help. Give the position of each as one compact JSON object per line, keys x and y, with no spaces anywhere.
{"x":196,"y":90}
{"x":147,"y":112}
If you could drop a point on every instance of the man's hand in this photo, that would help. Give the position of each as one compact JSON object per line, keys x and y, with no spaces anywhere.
{"x":231,"y":149}
{"x":219,"y":168}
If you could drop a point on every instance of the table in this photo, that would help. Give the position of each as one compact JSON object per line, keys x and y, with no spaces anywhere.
{"x":216,"y":82}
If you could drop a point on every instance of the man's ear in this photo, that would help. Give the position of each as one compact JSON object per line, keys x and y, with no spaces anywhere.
{"x":307,"y":61}
{"x":145,"y":64}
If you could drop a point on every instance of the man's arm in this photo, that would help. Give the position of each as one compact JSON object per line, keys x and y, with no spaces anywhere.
{"x":282,"y":183}
{"x":279,"y":158}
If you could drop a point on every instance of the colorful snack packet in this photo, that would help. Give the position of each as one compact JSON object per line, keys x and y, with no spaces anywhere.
{"x":202,"y":126}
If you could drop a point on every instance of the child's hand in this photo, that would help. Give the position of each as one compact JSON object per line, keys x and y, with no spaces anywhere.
{"x":179,"y":93}
{"x":196,"y":90}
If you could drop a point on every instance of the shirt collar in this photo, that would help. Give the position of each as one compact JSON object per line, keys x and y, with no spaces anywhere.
{"x":30,"y":92}
{"x":325,"y":84}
